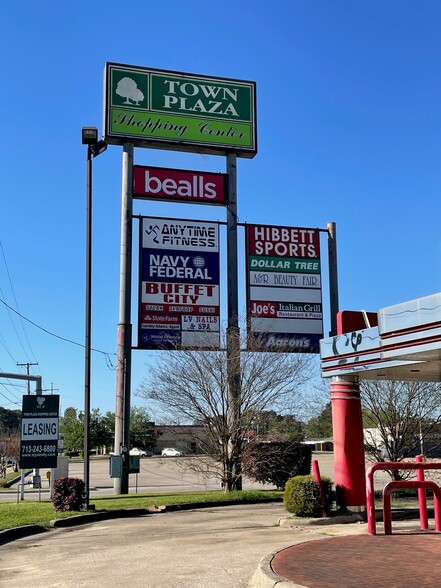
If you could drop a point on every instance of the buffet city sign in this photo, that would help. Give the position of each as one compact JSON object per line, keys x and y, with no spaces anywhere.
{"x":179,"y":111}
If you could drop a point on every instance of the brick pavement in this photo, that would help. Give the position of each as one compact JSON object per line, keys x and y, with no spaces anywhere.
{"x":402,"y":560}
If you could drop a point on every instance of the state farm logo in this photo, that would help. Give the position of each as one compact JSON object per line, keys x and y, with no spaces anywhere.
{"x":179,"y":185}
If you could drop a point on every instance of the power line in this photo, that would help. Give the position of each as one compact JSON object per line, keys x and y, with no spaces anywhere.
{"x":16,"y":305}
{"x":17,"y":401}
{"x":106,"y":355}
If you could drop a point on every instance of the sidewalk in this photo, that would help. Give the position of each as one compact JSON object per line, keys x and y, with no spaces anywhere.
{"x":407,"y":558}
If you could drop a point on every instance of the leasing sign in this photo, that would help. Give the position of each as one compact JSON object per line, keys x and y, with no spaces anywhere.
{"x":284,"y":299}
{"x":179,"y":284}
{"x":39,"y":431}
{"x":179,"y":111}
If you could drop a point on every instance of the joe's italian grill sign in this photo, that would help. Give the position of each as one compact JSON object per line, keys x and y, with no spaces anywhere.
{"x":180,"y":111}
{"x":284,"y":288}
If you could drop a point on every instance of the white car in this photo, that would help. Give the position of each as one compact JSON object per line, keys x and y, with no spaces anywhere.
{"x":171,"y":452}
{"x":137,"y":451}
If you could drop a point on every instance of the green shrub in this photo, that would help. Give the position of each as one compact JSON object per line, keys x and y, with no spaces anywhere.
{"x":69,"y":494}
{"x":302,"y":496}
{"x":275,"y":462}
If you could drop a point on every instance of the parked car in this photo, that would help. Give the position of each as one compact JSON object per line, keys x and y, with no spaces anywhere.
{"x":141,"y":452}
{"x":171,"y":452}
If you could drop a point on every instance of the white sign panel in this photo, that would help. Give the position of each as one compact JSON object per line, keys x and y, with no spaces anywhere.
{"x":284,"y":298}
{"x":179,"y":293}
{"x":179,"y":235}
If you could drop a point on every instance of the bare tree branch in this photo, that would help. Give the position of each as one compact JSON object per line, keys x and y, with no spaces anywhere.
{"x":191,"y":386}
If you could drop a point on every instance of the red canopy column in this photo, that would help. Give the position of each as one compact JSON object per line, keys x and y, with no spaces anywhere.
{"x":347,"y":425}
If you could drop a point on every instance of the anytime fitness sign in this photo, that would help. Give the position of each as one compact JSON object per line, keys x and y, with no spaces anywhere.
{"x":180,"y":111}
{"x":179,"y":284}
{"x":284,"y":299}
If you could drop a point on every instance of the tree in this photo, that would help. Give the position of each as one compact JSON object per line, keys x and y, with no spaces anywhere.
{"x":403,"y":415}
{"x":191,"y":386}
{"x":72,"y":430}
{"x":102,"y":428}
{"x":100,"y":433}
{"x":9,"y":421}
{"x":142,"y":433}
{"x":321,"y":425}
{"x":275,"y":462}
{"x":275,"y":426}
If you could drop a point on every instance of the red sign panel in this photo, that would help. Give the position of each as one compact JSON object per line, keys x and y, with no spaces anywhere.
{"x":283,"y":242}
{"x":177,"y":185}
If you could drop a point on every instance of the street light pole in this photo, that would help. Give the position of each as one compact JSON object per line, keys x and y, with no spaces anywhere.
{"x":94,"y":148}
{"x":88,"y":324}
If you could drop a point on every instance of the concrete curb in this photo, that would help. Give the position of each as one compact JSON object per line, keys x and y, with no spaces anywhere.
{"x":345,"y":519}
{"x":265,"y":577}
{"x":8,"y":535}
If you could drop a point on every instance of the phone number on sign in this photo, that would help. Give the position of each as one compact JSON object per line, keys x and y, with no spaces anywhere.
{"x":39,"y":448}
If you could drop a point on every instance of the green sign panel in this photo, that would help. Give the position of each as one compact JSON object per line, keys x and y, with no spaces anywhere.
{"x":178,"y":111}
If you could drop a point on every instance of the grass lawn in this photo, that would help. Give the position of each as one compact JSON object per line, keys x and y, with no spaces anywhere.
{"x":29,"y":512}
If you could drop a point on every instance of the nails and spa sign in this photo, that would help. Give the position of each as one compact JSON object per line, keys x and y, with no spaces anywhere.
{"x":179,"y":284}
{"x":284,"y":298}
{"x":179,"y":111}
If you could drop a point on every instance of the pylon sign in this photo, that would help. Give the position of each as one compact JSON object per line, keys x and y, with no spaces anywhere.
{"x":179,"y":284}
{"x":39,"y":431}
{"x":284,"y":298}
{"x":179,"y":111}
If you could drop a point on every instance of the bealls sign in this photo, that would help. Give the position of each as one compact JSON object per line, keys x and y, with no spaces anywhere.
{"x":179,"y":185}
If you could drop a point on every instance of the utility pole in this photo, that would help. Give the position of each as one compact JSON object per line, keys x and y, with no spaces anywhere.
{"x":124,"y":347}
{"x":27,"y":366}
{"x":233,"y":332}
{"x":51,"y":389}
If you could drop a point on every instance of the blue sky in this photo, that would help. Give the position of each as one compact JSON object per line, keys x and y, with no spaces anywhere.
{"x":349,"y":127}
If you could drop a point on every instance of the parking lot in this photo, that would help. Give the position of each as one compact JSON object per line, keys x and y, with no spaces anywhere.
{"x":166,"y":474}
{"x":157,"y":474}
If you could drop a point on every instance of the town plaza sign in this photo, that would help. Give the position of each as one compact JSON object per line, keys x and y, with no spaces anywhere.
{"x":179,"y":111}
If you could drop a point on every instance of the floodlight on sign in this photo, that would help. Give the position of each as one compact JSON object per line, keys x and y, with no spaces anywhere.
{"x":98,"y":148}
{"x":89,"y":135}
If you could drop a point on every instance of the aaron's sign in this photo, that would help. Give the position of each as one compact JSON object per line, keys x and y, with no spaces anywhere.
{"x":179,"y":111}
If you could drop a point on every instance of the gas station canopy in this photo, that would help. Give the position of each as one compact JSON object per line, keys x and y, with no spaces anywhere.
{"x":404,"y":345}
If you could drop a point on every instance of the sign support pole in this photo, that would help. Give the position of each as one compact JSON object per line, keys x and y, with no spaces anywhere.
{"x":233,"y":331}
{"x":333,"y":276}
{"x":124,"y":345}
